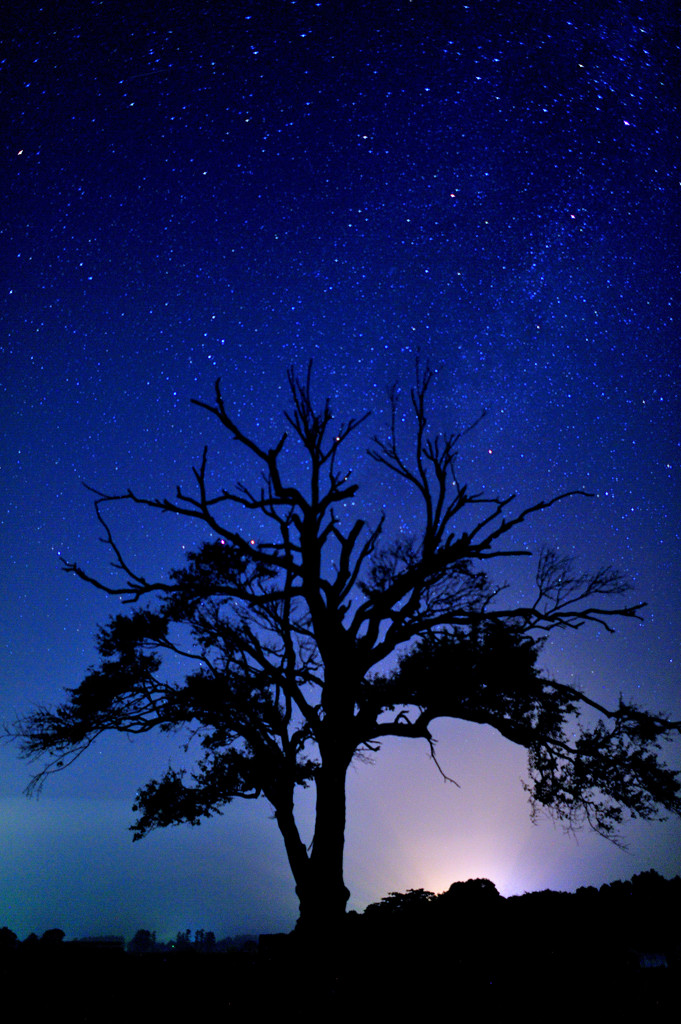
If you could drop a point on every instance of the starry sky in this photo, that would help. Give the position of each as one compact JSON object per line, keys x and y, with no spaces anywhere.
{"x":200,"y":190}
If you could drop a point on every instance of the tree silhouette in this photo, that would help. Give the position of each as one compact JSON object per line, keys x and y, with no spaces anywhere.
{"x":143,"y":941}
{"x":283,"y":632}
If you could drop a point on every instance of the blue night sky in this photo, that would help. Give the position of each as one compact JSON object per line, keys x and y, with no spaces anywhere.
{"x":200,"y":190}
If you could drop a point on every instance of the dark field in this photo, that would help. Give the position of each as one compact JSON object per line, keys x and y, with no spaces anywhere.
{"x":232,"y":986}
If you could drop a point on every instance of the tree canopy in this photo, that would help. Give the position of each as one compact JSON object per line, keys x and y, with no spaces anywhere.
{"x":284,"y":641}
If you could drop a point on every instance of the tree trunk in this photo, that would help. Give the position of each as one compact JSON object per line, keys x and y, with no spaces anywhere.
{"x":295,"y":848}
{"x":323,"y":894}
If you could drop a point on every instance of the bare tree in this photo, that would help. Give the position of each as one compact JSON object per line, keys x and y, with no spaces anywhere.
{"x":284,"y":640}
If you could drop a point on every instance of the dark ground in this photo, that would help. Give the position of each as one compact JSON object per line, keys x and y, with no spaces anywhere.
{"x":615,"y":952}
{"x":72,"y":986}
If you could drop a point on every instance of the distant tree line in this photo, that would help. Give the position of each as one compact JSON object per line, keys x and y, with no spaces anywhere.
{"x":643,"y":911}
{"x":50,"y":939}
{"x":143,"y":941}
{"x":632,"y":923}
{"x":200,"y":942}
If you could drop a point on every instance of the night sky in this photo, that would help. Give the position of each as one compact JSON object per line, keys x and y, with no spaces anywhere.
{"x":202,"y":190}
